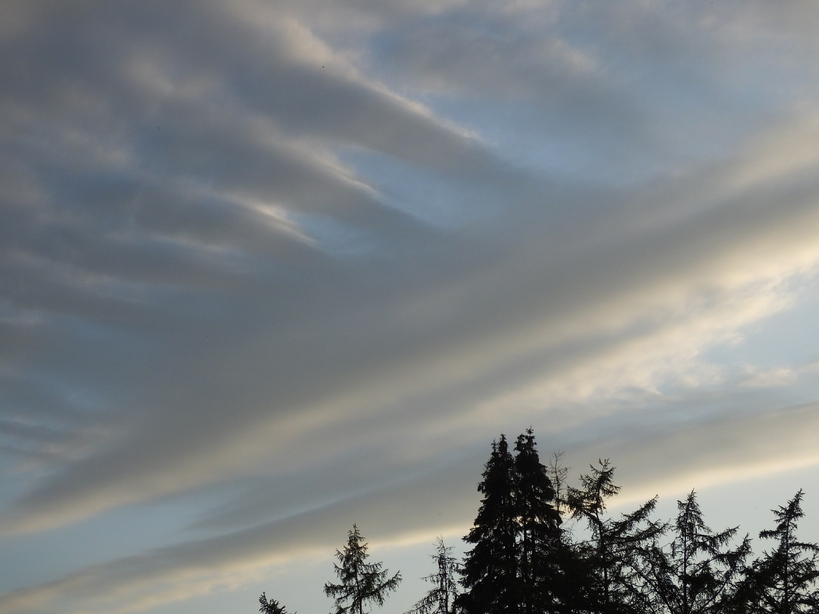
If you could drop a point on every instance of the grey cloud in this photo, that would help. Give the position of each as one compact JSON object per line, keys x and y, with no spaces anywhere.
{"x":217,"y":276}
{"x":273,"y":542}
{"x":428,"y":503}
{"x":468,"y":314}
{"x":512,"y":300}
{"x":598,"y":85}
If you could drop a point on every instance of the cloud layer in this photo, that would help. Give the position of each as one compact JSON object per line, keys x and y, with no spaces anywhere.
{"x":269,"y":269}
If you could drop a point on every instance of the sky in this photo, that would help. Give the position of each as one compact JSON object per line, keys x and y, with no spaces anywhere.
{"x":272,"y":268}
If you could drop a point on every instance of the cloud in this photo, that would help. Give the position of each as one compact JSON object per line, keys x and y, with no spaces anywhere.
{"x":306,"y":269}
{"x":729,"y":450}
{"x":596,"y":85}
{"x":198,"y":566}
{"x":782,"y":376}
{"x":617,"y":312}
{"x":769,"y":442}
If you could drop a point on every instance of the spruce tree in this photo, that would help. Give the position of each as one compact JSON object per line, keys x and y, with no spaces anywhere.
{"x":489,"y":571}
{"x":612,"y":552}
{"x":519,"y":560}
{"x":558,"y":473}
{"x":538,"y":531}
{"x":441,"y":598}
{"x":698,"y":572}
{"x":361,"y":582}
{"x":270,"y":606}
{"x":785,"y":579}
{"x":589,"y":503}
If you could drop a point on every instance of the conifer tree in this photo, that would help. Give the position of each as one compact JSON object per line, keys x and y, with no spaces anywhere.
{"x":558,"y":473}
{"x":538,"y":530}
{"x":441,"y":598}
{"x":612,"y":553}
{"x":361,"y":582}
{"x":270,"y":606}
{"x":698,"y":572}
{"x":589,"y":503}
{"x":785,"y":580}
{"x":489,"y":571}
{"x":519,"y":559}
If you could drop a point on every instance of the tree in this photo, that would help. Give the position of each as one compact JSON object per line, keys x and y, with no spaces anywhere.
{"x":489,"y":572}
{"x":441,"y":598}
{"x":612,"y":552}
{"x":698,"y":572}
{"x":558,"y":474}
{"x":517,"y":563}
{"x":784,"y":580}
{"x":361,"y":582}
{"x":537,"y":530}
{"x":270,"y":607}
{"x":589,"y":503}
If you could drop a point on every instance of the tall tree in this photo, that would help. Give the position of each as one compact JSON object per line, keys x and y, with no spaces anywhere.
{"x":785,"y":580}
{"x":441,"y":597}
{"x":698,"y":572}
{"x":361,"y":582}
{"x":537,"y":530}
{"x":489,"y":572}
{"x":612,"y":552}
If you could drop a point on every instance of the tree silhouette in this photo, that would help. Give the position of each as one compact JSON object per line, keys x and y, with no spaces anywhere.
{"x":558,"y":474}
{"x":441,"y":598}
{"x":489,"y":570}
{"x":361,"y":582}
{"x":698,"y":572}
{"x":524,"y":560}
{"x":518,"y":562}
{"x":784,"y":580}
{"x":270,"y":606}
{"x":612,"y":553}
{"x":537,"y":530}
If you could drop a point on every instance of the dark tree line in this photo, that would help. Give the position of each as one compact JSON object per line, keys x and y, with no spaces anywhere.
{"x":525,"y":561}
{"x":523,"y":558}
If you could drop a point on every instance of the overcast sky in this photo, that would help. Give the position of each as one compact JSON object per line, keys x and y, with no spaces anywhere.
{"x":269,"y":268}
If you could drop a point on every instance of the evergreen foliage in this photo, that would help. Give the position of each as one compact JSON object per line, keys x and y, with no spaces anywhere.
{"x":537,"y":529}
{"x":441,"y":598}
{"x":784,"y":580}
{"x":270,"y":606}
{"x":699,"y":571}
{"x":489,"y":572}
{"x":616,"y":547}
{"x":524,"y":560}
{"x":361,"y":582}
{"x":515,"y":566}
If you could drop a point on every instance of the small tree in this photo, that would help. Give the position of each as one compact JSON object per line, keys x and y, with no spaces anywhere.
{"x":270,"y":606}
{"x":361,"y":582}
{"x":441,"y":598}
